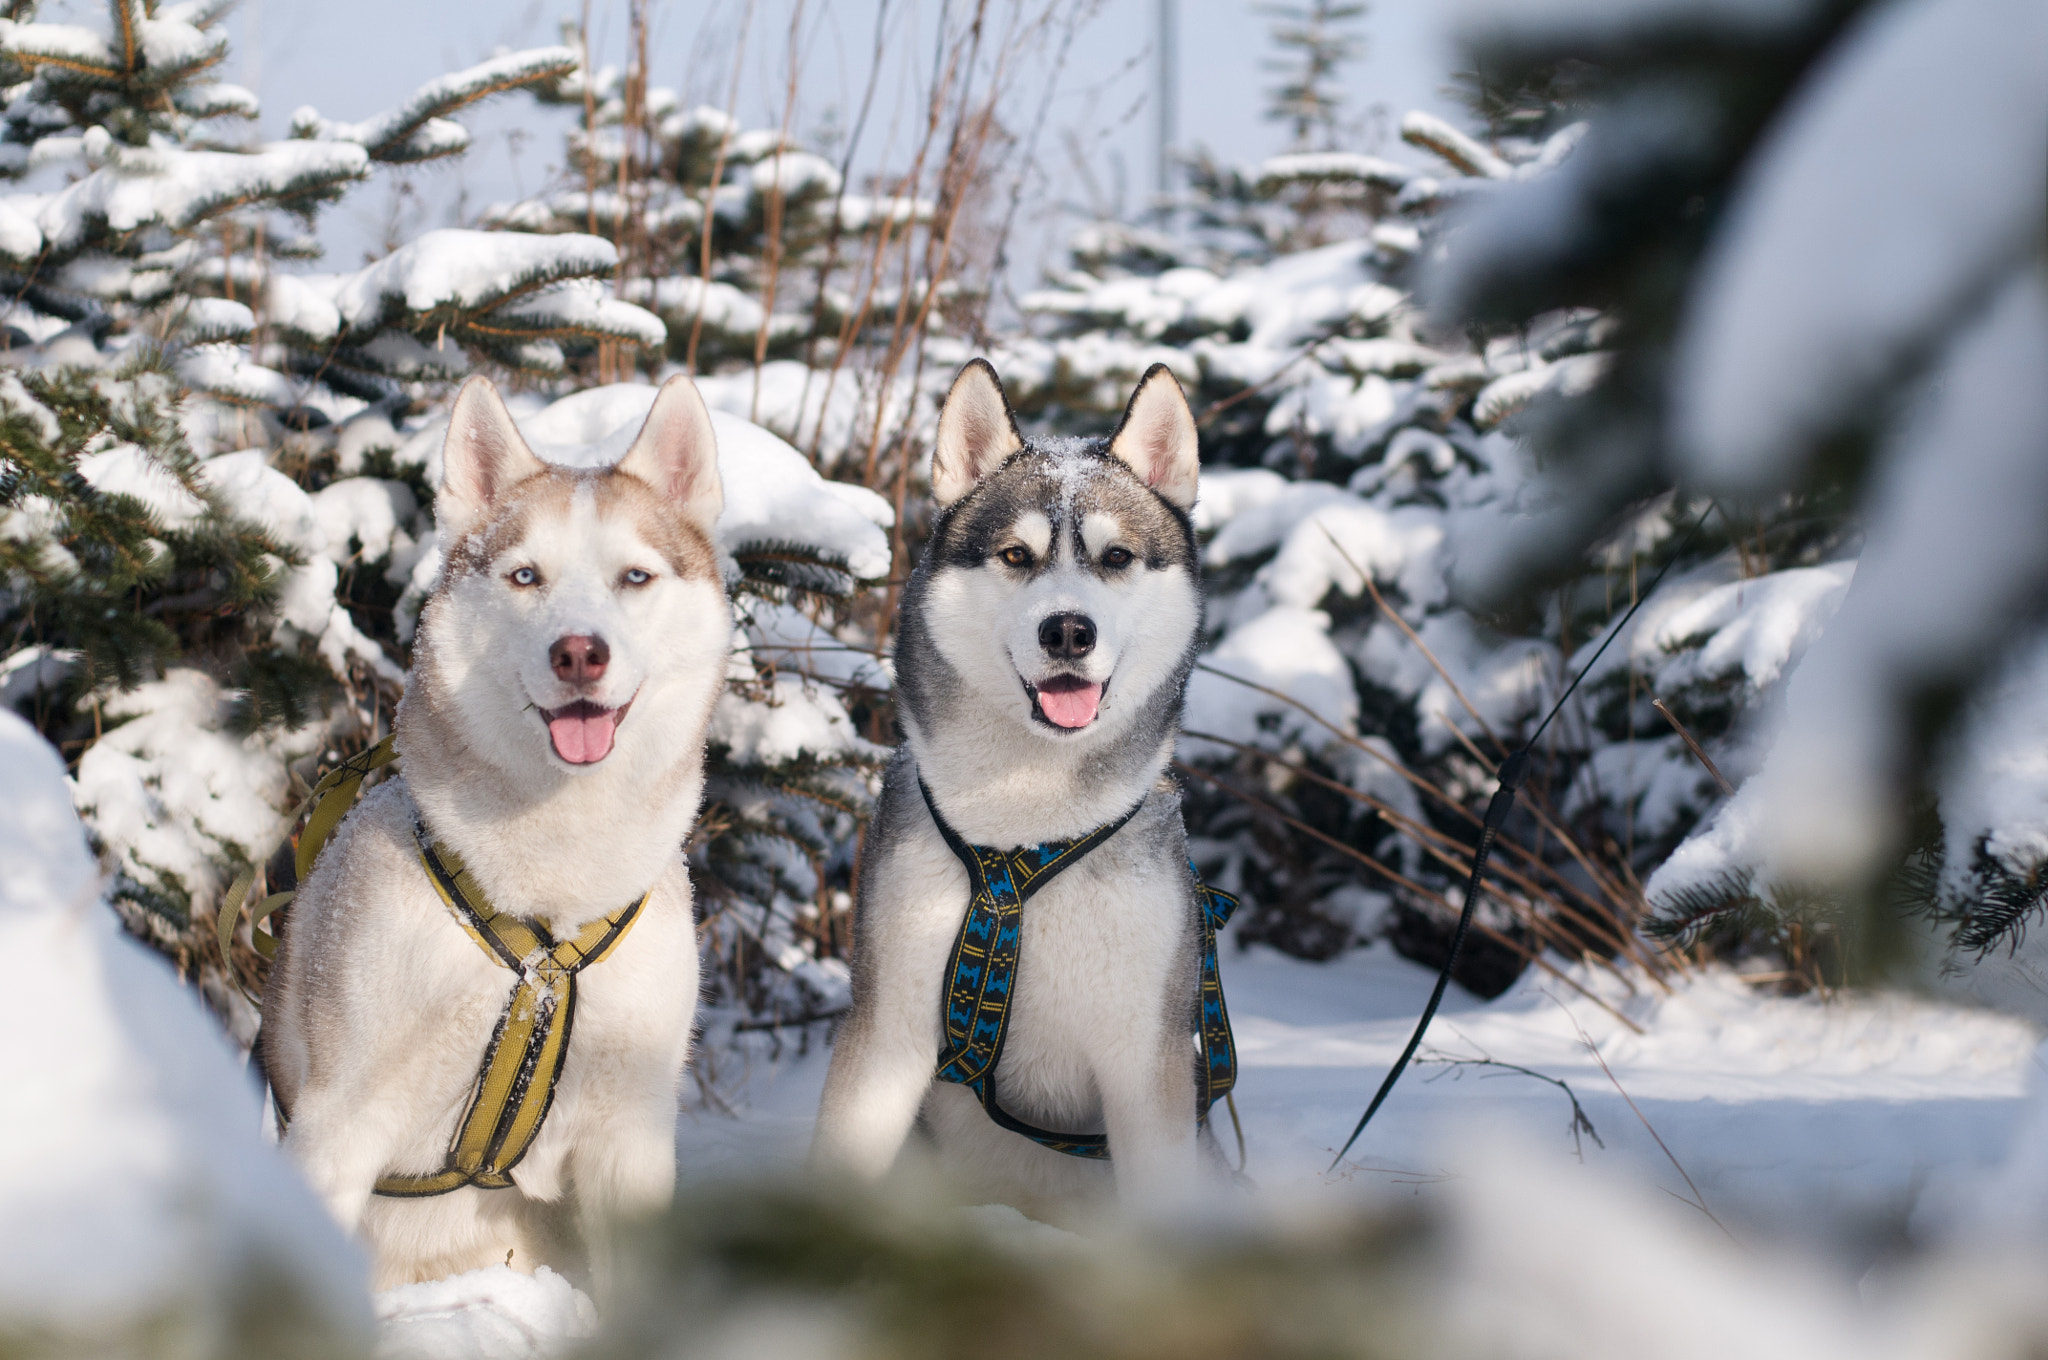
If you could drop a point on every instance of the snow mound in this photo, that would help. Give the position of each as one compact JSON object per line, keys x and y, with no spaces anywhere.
{"x":139,"y":1202}
{"x":492,"y":1314}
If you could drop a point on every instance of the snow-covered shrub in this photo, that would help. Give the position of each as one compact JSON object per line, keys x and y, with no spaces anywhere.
{"x":1475,"y":1268}
{"x":771,"y":270}
{"x":1832,"y":315}
{"x":217,"y":465}
{"x":1347,"y":436}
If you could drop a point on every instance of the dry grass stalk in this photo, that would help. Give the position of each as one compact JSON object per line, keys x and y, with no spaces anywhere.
{"x":589,"y":124}
{"x":706,"y":219}
{"x":1621,"y":903}
{"x":1532,"y":956}
{"x":1394,"y":617}
{"x":778,"y":197}
{"x":1692,"y":744}
{"x":1457,"y":855}
{"x":1627,"y":900}
{"x":835,"y":233}
{"x":1698,"y":1201}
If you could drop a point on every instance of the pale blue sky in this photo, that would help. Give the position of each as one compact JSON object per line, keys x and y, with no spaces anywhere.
{"x":356,"y":58}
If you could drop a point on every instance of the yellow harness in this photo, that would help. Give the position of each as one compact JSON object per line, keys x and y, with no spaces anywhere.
{"x":330,"y":800}
{"x":516,"y":1083}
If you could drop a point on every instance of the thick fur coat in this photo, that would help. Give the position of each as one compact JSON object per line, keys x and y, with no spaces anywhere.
{"x":552,"y":735}
{"x":1044,"y":644}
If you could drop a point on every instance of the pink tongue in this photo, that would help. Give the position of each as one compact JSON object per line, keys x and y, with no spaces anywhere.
{"x":581,"y":740}
{"x":1072,"y":707}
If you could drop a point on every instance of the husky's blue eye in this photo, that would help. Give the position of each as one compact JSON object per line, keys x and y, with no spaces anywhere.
{"x":1117,"y":557}
{"x":636,"y":577}
{"x":525,"y":576}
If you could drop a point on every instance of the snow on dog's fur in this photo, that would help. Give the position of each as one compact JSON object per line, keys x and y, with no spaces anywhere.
{"x":552,"y":735}
{"x":1044,"y":644}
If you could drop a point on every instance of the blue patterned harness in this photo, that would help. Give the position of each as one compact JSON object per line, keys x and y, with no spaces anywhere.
{"x":983,"y":974}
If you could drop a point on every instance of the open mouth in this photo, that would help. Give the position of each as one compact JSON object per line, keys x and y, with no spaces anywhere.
{"x":1065,"y":701}
{"x":582,"y":732}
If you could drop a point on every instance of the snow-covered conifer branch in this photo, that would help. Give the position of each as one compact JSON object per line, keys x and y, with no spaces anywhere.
{"x":417,"y":130}
{"x":73,"y":54}
{"x":1432,"y":133}
{"x":1311,"y":167}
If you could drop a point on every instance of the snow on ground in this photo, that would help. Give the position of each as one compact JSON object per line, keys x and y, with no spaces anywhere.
{"x":493,"y":1314}
{"x":1815,"y":1130}
{"x":1792,"y":1115}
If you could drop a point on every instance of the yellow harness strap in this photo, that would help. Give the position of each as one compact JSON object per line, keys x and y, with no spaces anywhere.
{"x":517,"y":1082}
{"x":330,"y":800}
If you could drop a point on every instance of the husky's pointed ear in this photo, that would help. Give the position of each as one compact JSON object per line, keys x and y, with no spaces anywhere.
{"x":976,"y":432}
{"x":676,"y":453}
{"x":1156,"y":438}
{"x":483,"y":459}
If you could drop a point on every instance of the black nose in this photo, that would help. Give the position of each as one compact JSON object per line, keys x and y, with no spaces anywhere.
{"x":579,"y":658}
{"x":1067,"y":635}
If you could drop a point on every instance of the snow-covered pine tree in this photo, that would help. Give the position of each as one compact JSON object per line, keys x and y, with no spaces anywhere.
{"x":1334,"y":769}
{"x":1716,"y":210}
{"x":796,"y":286}
{"x":832,"y":317}
{"x":212,"y":529}
{"x":1315,"y":40}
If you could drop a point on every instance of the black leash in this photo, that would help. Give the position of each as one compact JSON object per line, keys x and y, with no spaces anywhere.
{"x":1512,"y":772}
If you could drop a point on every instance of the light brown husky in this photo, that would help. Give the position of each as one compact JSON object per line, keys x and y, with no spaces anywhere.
{"x":552,"y":741}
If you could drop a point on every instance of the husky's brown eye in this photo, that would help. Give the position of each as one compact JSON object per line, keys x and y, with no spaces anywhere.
{"x":1117,"y":557}
{"x":525,"y":576}
{"x":1017,"y":555}
{"x":636,"y":577}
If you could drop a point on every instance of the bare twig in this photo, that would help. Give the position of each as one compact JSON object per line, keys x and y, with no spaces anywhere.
{"x":1538,"y":808}
{"x":711,"y":1096}
{"x":1393,"y":875}
{"x":1699,"y":752}
{"x":1450,"y":804}
{"x":709,"y":217}
{"x":836,"y":232}
{"x":1698,"y":1201}
{"x":1581,"y":1125}
{"x":787,"y":1021}
{"x":778,"y":198}
{"x":1395,"y":618}
{"x":1217,"y":408}
{"x":1447,"y":850}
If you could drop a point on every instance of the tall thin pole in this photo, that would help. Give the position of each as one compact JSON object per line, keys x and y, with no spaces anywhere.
{"x":252,"y":47}
{"x":1169,"y":98}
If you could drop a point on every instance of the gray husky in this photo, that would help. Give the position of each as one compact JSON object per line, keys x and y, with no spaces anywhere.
{"x":1043,"y":647}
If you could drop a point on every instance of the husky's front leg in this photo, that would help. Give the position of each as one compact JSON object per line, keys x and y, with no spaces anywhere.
{"x":628,"y":1173}
{"x":913,"y":894}
{"x":342,"y":1139}
{"x":1148,"y":1107}
{"x":881,"y":1069}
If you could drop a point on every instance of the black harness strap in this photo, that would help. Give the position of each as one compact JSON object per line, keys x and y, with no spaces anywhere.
{"x":982,"y":975}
